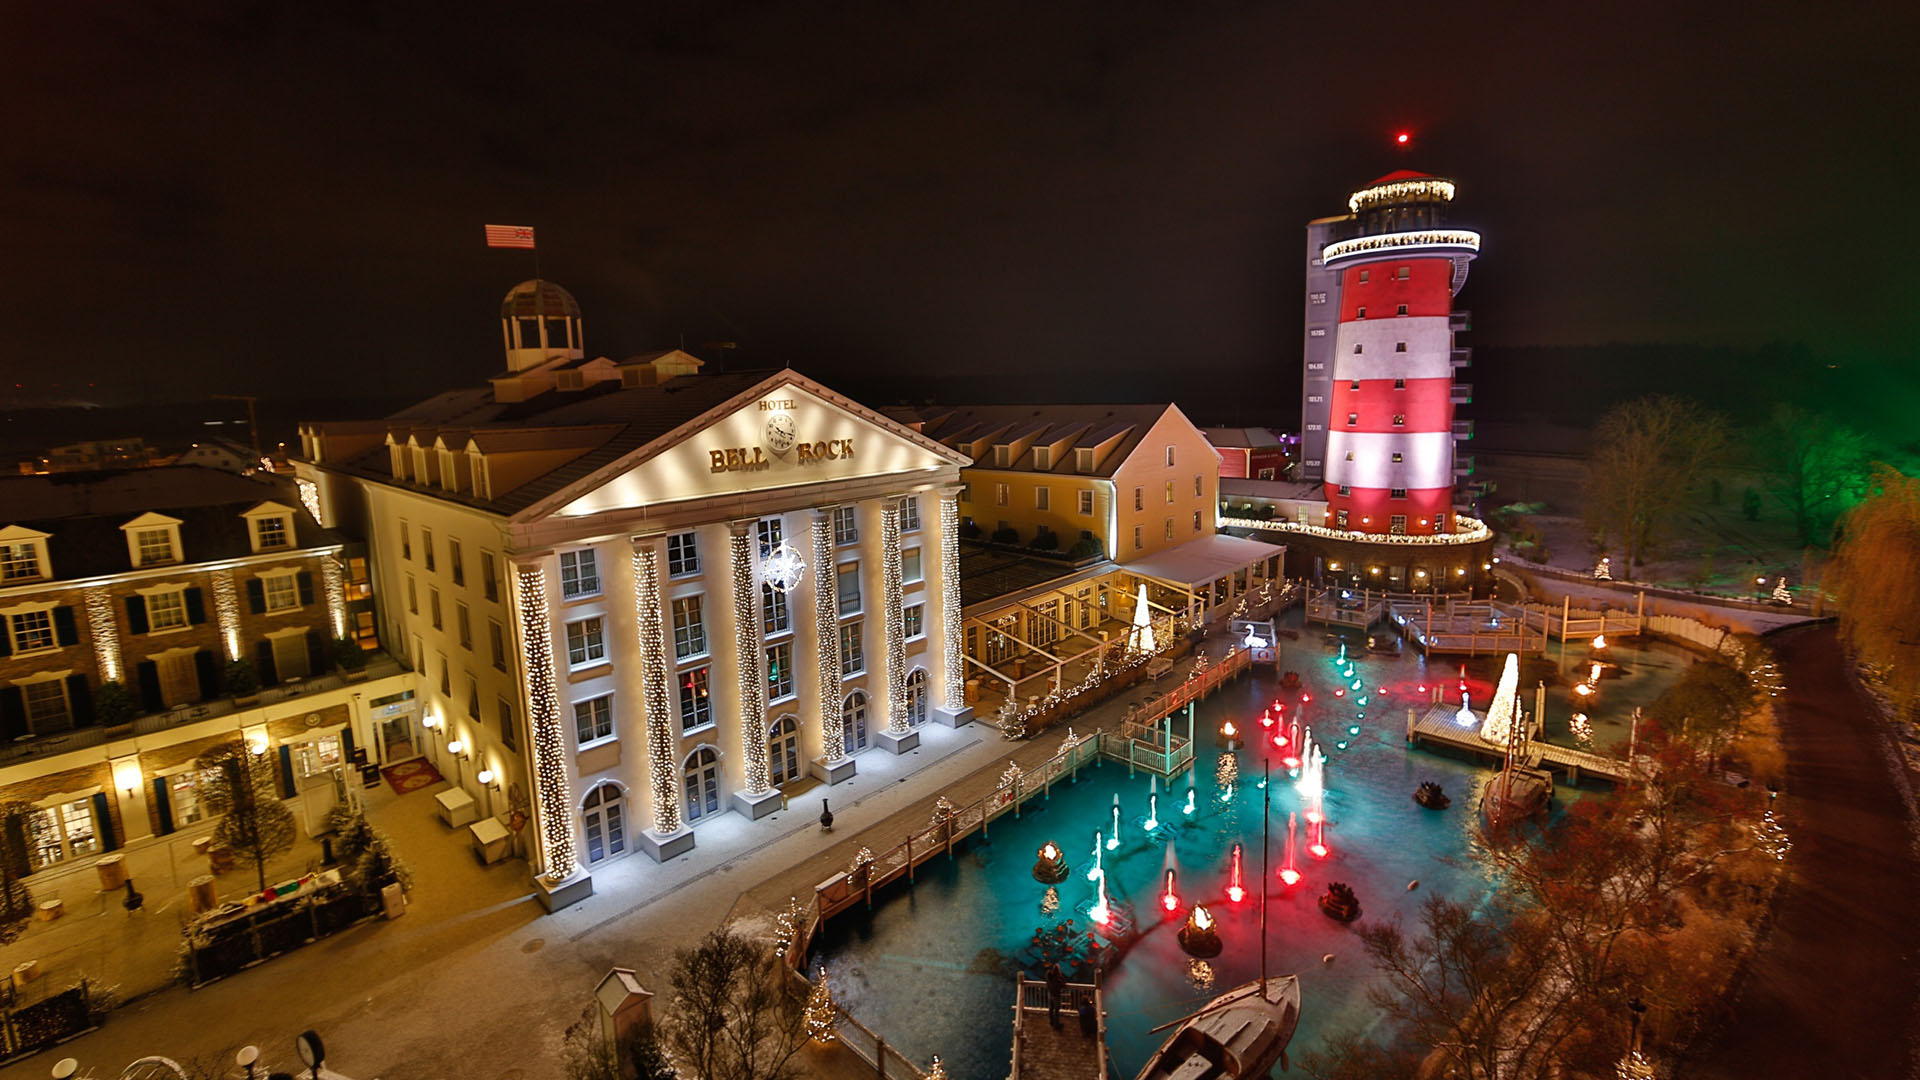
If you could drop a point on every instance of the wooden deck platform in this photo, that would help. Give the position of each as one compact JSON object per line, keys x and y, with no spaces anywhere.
{"x":1043,"y":1052}
{"x":1471,"y":627}
{"x":1439,"y":726}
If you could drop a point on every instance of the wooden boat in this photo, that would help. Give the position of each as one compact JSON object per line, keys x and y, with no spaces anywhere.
{"x":1240,"y":1035}
{"x":1517,"y":793}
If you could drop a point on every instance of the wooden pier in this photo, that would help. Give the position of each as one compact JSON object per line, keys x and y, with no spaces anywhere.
{"x":1358,"y":608}
{"x":1470,"y":626}
{"x":1439,"y":725}
{"x":1044,"y":1052}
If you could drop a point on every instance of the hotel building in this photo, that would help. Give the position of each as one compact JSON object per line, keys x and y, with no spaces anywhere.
{"x":640,"y":597}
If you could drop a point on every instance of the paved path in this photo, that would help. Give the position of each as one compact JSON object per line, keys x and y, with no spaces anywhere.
{"x":1832,"y":991}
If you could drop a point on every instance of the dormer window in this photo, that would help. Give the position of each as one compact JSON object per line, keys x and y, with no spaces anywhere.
{"x":482,"y":481}
{"x":397,"y":458}
{"x":270,"y":527}
{"x":152,"y":540}
{"x":569,"y":380}
{"x":20,"y":560}
{"x":1042,"y":457}
{"x":1002,"y":455}
{"x":1083,"y":459}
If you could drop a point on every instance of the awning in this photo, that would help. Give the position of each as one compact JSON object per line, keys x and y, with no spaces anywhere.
{"x":1207,"y":559}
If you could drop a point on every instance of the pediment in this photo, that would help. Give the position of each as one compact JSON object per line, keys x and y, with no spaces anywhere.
{"x":787,"y":432}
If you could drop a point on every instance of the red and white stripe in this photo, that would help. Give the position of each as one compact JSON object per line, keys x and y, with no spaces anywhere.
{"x":510,"y":236}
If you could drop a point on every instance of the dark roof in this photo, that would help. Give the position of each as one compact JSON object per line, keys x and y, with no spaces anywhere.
{"x":633,"y":416}
{"x":989,"y":573}
{"x":1398,"y":175}
{"x":1076,"y":425}
{"x":83,"y":513}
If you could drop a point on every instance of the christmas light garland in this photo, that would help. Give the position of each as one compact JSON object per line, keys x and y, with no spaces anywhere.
{"x":106,"y":635}
{"x":331,"y":573}
{"x":226,"y":606}
{"x":892,"y":597}
{"x":952,"y":639}
{"x":553,"y":796}
{"x":826,"y":611}
{"x":1470,"y":531}
{"x":655,"y":690}
{"x":746,"y":641}
{"x":310,"y":498}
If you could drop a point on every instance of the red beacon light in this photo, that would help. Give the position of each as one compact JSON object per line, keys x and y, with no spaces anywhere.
{"x":1403,"y":138}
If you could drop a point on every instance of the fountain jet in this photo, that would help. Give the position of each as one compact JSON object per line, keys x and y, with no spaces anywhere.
{"x":1236,"y":892}
{"x":1287,"y":872}
{"x":1096,"y":873}
{"x":1114,"y":840}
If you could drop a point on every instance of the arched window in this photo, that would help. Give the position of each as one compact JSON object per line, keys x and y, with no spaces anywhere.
{"x":783,"y":750}
{"x":605,"y":818}
{"x":917,"y":697}
{"x":703,"y":783}
{"x":853,"y":722}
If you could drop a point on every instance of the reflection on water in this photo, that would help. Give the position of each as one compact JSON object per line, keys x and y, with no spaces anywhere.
{"x":985,"y":905}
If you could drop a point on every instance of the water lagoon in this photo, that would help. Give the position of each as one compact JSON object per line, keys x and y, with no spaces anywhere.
{"x":931,"y":966}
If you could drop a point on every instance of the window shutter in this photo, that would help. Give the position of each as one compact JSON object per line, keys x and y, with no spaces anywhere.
{"x":149,"y":679}
{"x":256,"y":596}
{"x":136,"y":614}
{"x":347,"y":751}
{"x":263,"y":662}
{"x":103,"y":820}
{"x":16,"y":848}
{"x":208,"y":671}
{"x":316,"y":652}
{"x":13,"y":712}
{"x":161,"y":805}
{"x":80,"y":700}
{"x":304,"y":580}
{"x":6,"y":639}
{"x":196,"y":608}
{"x":63,"y":629}
{"x":287,"y":790}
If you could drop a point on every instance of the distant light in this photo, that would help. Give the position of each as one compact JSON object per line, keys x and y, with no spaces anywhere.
{"x":1403,"y":138}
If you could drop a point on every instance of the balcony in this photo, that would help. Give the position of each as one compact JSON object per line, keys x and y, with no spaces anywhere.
{"x":49,"y":744}
{"x":1460,"y":357}
{"x":1460,"y":322}
{"x":1463,"y":429}
{"x":1463,"y":465}
{"x":1462,"y":393}
{"x":1431,"y":243}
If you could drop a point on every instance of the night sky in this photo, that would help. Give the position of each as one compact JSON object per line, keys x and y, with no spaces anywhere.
{"x":288,"y":199}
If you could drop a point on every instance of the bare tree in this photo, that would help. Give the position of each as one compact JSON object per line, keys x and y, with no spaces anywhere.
{"x":16,"y":900}
{"x":1816,"y":466}
{"x":1875,"y":576}
{"x":733,"y":1014}
{"x":1647,"y":455}
{"x":253,"y":822}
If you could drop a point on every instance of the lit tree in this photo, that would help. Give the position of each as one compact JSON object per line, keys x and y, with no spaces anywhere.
{"x":1504,"y":711}
{"x":1875,"y":576}
{"x":254,"y":823}
{"x":819,"y":1014}
{"x":16,"y":900}
{"x":1816,"y":466}
{"x":1647,"y":455}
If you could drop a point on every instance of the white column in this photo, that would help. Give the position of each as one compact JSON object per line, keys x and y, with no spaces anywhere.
{"x":899,"y":736}
{"x":669,"y":835}
{"x":758,"y":798}
{"x":559,"y":879}
{"x":834,"y":764}
{"x":953,"y":710}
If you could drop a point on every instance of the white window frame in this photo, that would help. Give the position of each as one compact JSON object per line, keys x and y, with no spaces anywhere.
{"x":913,"y":569}
{"x":171,"y":598}
{"x":781,"y":687}
{"x":14,"y":615}
{"x":850,"y":600}
{"x":910,"y":514}
{"x":582,"y":579}
{"x":271,"y":580}
{"x":1042,"y":496}
{"x":689,"y":639}
{"x":683,"y":554}
{"x":913,"y":621}
{"x":853,"y":648}
{"x":22,"y":558}
{"x":588,"y":656}
{"x":692,"y":707}
{"x":598,"y":712}
{"x":846,"y":525}
{"x":260,"y":536}
{"x":1086,"y":502}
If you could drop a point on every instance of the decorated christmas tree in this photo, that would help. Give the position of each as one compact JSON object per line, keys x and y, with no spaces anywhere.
{"x":1782,"y":594}
{"x":1504,"y":711}
{"x":819,"y":1014}
{"x":1140,"y":638}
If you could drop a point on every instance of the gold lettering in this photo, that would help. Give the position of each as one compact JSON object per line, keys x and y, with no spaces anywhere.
{"x":804,"y":452}
{"x":846,"y":448}
{"x":759,"y":459}
{"x":719,"y":460}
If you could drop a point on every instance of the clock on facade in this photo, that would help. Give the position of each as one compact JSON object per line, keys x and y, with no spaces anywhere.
{"x":781,"y":432}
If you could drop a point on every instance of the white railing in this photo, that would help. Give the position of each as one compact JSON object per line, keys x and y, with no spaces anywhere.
{"x":1399,"y":241}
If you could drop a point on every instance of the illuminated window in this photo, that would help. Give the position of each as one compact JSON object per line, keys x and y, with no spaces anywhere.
{"x":1396,"y":493}
{"x":696,"y":706}
{"x":780,"y":671}
{"x":1397,"y":456}
{"x":166,"y":610}
{"x":19,"y":561}
{"x":1397,"y":524}
{"x":270,"y":533}
{"x":769,"y":532}
{"x":1086,"y":503}
{"x":913,"y":621}
{"x":156,"y":546}
{"x":910,"y":568}
{"x":1000,"y":495}
{"x":1168,"y":530}
{"x":683,"y":555}
{"x":689,"y":631}
{"x":1402,"y":273}
{"x":1439,"y":523}
{"x":1353,"y":418}
{"x":1399,"y":419}
{"x":1339,"y":522}
{"x":282,"y":593}
{"x":60,"y":832}
{"x":1169,"y":492}
{"x":774,"y":616}
{"x":593,"y":719}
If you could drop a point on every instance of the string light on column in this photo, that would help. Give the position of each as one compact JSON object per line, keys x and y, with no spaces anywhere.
{"x":106,"y":635}
{"x":892,"y":597}
{"x":826,"y":612}
{"x":746,"y":642}
{"x":331,"y":573}
{"x":310,"y":498}
{"x":553,"y":796}
{"x":955,"y":675}
{"x":226,"y":604}
{"x":653,"y":684}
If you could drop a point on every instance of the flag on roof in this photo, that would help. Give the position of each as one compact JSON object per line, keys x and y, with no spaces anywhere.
{"x":513,"y":236}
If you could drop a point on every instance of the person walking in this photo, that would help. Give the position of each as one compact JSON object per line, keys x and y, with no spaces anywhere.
{"x":1056,"y":992}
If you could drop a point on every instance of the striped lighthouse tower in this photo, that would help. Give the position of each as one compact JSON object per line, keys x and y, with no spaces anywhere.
{"x":1389,"y":452}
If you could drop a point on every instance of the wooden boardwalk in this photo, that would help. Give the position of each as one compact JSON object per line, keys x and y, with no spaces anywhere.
{"x":1438,"y":725}
{"x":1043,"y":1052}
{"x":1471,"y":627}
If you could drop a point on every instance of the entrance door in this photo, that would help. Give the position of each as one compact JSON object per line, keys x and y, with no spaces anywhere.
{"x":396,"y":738}
{"x":853,"y":722}
{"x":783,"y":750}
{"x":605,"y":823}
{"x":703,"y":783}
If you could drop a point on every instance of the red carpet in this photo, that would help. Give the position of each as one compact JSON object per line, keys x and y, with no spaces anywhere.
{"x":411,"y":775}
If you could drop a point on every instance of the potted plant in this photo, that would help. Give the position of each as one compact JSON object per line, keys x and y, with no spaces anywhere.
{"x":1006,"y":535}
{"x":1045,"y":539}
{"x":114,"y":708}
{"x":242,"y":681}
{"x":351,"y":658}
